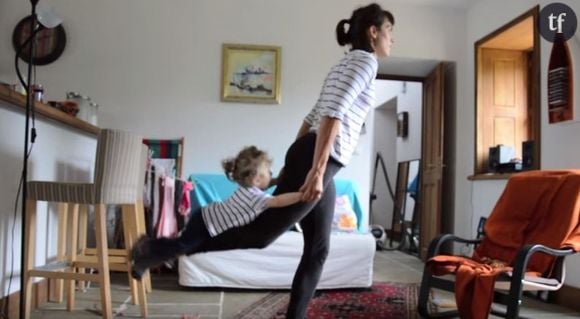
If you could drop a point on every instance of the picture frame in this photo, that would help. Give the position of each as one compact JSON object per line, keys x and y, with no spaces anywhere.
{"x":251,"y":73}
{"x":402,"y":124}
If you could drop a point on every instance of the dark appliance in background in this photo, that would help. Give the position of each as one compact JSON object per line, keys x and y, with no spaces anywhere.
{"x":499,"y":159}
{"x":528,"y":150}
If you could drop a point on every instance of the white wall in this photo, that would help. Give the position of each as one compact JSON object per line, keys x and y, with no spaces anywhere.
{"x":154,"y":66}
{"x":411,"y":101}
{"x":59,"y":154}
{"x":559,"y":141}
{"x":384,"y":127}
{"x":385,"y":142}
{"x":386,"y":90}
{"x":405,"y":96}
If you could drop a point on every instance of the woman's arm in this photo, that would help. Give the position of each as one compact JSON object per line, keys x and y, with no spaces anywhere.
{"x":282,"y":200}
{"x":312,"y":187}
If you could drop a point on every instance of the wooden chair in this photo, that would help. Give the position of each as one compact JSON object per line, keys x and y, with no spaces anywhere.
{"x":533,"y":227}
{"x":116,"y":182}
{"x":168,"y":148}
{"x":162,"y":149}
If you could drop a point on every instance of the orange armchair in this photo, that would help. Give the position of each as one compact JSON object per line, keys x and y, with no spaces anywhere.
{"x":534,"y":225}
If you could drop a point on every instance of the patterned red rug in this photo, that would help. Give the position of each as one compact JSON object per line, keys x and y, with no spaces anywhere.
{"x":382,"y":300}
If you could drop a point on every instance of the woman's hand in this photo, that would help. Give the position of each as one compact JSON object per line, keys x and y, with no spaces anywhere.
{"x":312,"y":187}
{"x":313,"y":184}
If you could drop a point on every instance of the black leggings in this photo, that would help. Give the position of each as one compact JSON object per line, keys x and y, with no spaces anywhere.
{"x":314,"y":217}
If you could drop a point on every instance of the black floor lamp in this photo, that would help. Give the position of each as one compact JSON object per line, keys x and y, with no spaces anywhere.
{"x":39,"y":19}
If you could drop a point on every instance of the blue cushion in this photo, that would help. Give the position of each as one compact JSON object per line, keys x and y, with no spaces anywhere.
{"x":210,"y":188}
{"x":350,"y":188}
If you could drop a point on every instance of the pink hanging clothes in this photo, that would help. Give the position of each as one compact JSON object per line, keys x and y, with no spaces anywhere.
{"x":167,"y":224}
{"x":185,"y":204}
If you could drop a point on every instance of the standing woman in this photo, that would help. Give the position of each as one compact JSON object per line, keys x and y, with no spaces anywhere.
{"x":325,"y":143}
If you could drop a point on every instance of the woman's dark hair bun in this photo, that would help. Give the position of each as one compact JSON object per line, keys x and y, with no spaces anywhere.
{"x":358,"y":24}
{"x":342,"y":36}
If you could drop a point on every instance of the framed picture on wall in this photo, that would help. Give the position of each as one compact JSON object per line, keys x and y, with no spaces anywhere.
{"x":251,"y":73}
{"x":402,"y":124}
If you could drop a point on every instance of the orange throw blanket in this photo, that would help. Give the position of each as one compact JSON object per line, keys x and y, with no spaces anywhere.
{"x":537,"y":207}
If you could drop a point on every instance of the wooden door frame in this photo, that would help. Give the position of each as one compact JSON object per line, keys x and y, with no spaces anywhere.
{"x":422,"y":80}
{"x":533,"y":93}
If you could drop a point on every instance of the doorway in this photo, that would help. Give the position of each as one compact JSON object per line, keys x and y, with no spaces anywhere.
{"x":415,"y":214}
{"x":397,"y":141}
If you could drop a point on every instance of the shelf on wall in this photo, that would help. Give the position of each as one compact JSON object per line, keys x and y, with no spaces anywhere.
{"x":18,"y":100}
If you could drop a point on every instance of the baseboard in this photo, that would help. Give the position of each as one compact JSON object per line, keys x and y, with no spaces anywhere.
{"x":39,"y":298}
{"x":568,"y":297}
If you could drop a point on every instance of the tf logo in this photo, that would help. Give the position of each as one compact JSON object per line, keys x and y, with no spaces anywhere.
{"x":557,"y":18}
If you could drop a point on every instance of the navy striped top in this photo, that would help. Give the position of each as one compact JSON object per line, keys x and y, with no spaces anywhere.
{"x":238,"y":210}
{"x":348,"y":93}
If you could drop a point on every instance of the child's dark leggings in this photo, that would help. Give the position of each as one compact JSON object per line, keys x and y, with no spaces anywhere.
{"x":314,"y":217}
{"x":190,"y":240}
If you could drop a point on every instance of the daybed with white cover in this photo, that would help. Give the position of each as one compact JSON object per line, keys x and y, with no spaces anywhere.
{"x":349,"y":263}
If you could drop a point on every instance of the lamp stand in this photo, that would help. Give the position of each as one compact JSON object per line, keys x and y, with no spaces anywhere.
{"x":29,"y":103}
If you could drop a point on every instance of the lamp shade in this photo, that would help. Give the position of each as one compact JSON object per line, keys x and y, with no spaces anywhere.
{"x":46,"y":16}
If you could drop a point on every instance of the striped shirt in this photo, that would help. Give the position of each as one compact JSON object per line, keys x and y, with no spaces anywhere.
{"x":348,"y":93}
{"x":238,"y":210}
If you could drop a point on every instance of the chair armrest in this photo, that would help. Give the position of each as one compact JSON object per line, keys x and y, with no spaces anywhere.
{"x":524,"y":255}
{"x":437,"y":242}
{"x":521,"y":262}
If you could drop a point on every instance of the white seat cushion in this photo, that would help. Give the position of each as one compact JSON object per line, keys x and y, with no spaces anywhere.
{"x":349,"y":264}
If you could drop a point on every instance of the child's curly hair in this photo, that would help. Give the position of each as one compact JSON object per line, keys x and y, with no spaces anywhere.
{"x":244,"y":167}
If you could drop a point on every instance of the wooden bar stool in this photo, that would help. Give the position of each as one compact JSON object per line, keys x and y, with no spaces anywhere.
{"x":116,"y":177}
{"x":133,"y":221}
